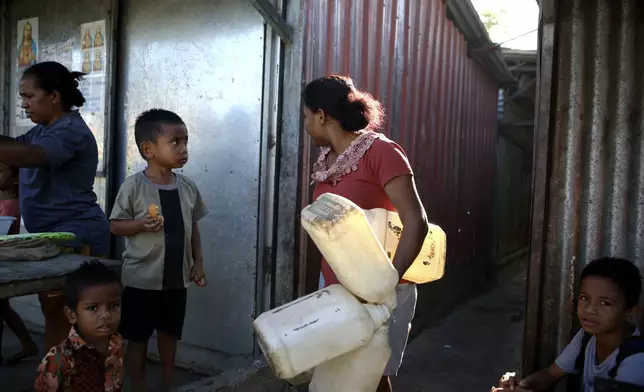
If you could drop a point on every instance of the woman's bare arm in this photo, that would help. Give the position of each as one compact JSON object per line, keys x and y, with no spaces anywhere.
{"x":404,"y":196}
{"x":18,"y":154}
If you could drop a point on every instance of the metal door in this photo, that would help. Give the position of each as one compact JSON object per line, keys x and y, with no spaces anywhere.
{"x":204,"y":60}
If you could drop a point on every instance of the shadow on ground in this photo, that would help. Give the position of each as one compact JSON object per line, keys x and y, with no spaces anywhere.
{"x":470,"y":349}
{"x":21,"y":378}
{"x":466,"y":351}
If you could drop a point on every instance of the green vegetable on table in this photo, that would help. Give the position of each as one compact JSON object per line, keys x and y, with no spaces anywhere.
{"x":53,"y":237}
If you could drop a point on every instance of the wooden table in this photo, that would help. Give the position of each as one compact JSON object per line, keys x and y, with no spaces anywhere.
{"x":18,"y":278}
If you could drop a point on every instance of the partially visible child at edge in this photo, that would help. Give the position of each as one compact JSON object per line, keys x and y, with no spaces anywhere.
{"x":163,"y":252}
{"x":10,"y":206}
{"x":609,"y":291}
{"x":91,"y":357}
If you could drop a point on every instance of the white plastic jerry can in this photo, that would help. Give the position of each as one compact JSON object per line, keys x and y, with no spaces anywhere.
{"x":429,"y":265}
{"x":357,"y":371}
{"x":304,"y":333}
{"x":340,"y":230}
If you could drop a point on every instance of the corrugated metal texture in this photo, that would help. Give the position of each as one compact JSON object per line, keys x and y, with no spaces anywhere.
{"x":513,"y":191}
{"x":588,"y":196}
{"x":441,"y":105}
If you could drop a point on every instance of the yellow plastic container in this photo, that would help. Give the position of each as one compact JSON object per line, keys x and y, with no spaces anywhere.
{"x":429,"y":265}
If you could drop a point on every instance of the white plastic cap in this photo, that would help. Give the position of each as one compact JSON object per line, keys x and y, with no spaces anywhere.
{"x":379,"y":313}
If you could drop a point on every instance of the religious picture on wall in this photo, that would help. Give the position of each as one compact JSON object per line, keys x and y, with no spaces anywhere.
{"x":92,"y":45}
{"x":27,"y":42}
{"x":86,"y":43}
{"x":98,"y":60}
{"x":87,"y":65}
{"x":92,"y":62}
{"x":99,"y":41}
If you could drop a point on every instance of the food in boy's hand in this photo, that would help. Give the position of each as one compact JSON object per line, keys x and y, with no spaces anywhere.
{"x":202,"y":282}
{"x":155,"y":212}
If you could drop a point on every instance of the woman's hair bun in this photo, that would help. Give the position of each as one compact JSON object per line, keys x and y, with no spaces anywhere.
{"x":337,"y":96}
{"x":52,"y":76}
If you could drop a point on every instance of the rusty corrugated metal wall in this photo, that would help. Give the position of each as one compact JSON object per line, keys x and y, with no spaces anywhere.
{"x":513,"y":192}
{"x":441,"y":106}
{"x":588,"y":198}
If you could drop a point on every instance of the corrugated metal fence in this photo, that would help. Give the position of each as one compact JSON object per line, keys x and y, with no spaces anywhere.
{"x":441,"y":106}
{"x":588,"y":196}
{"x":513,"y":192}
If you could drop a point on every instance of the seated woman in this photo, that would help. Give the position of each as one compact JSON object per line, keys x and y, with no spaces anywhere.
{"x":57,"y":160}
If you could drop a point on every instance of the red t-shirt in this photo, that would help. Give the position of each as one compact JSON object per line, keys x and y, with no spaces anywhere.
{"x":381,"y":163}
{"x":11,"y":208}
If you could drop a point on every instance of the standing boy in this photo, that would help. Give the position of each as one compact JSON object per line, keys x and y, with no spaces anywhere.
{"x":157,"y":211}
{"x":91,"y":357}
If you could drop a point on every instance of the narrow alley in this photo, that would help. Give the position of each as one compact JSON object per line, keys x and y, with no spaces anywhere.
{"x":466,"y":351}
{"x":471,"y":348}
{"x":516,"y":123}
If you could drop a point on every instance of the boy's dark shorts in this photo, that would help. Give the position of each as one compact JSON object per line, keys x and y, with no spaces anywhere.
{"x":144,"y":311}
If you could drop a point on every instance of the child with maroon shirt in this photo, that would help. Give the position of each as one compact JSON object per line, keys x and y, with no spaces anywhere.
{"x":9,"y":206}
{"x":91,"y":357}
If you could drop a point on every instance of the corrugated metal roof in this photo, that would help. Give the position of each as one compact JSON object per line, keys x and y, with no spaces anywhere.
{"x":441,"y":104}
{"x":589,"y":156}
{"x":519,"y":55}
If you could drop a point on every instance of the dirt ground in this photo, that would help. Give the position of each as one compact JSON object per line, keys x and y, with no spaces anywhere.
{"x":466,"y":351}
{"x":471,"y":348}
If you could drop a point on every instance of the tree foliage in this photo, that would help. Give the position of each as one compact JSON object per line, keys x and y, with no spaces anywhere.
{"x":490,"y":19}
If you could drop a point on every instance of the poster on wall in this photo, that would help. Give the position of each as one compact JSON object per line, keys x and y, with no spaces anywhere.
{"x":92,"y":41}
{"x":61,"y":52}
{"x":92,"y":62}
{"x":27,"y":55}
{"x":27,"y":42}
{"x":65,"y":53}
{"x":47,"y":53}
{"x":93,"y":47}
{"x":21,"y":116}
